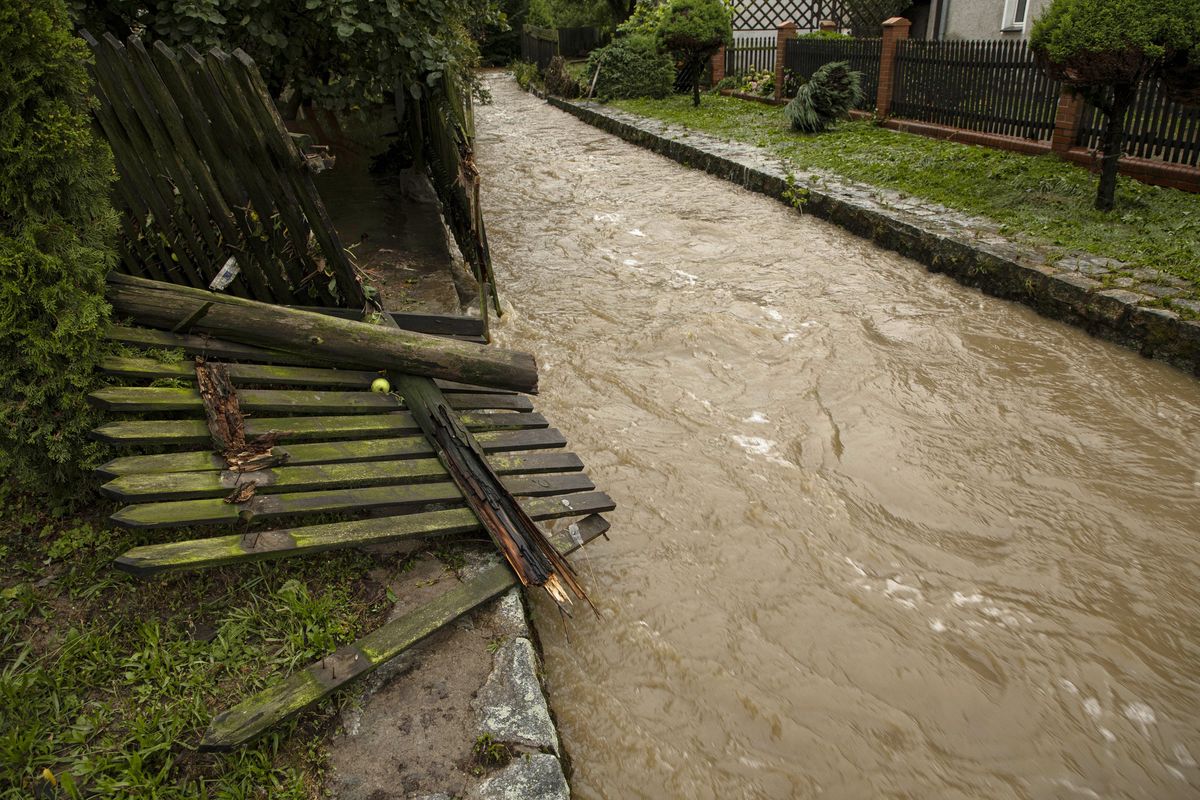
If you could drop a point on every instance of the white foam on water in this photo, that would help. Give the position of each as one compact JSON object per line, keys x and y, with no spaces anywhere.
{"x":1068,"y":686}
{"x":787,"y":337}
{"x":773,"y":314}
{"x":1091,"y":707}
{"x":758,"y":417}
{"x":937,"y":626}
{"x":1108,"y":735}
{"x":636,"y":232}
{"x":687,"y":276}
{"x":606,"y":218}
{"x":761,"y":447}
{"x":960,"y":599}
{"x":631,"y":262}
{"x":1183,"y":756}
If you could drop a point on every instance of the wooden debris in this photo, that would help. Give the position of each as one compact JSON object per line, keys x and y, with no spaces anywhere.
{"x":520,"y":540}
{"x":330,"y":339}
{"x":305,"y":688}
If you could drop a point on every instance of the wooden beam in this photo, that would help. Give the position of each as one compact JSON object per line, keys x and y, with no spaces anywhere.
{"x":218,"y":551}
{"x":147,"y":487}
{"x":270,"y":506}
{"x":333,"y":452}
{"x":345,"y":342}
{"x":302,"y":429}
{"x":130,"y":399}
{"x":308,"y":686}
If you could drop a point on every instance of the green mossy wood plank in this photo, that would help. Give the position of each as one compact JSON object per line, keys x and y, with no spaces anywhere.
{"x":333,"y":452}
{"x":149,"y":487}
{"x":130,"y":399}
{"x":348,"y":343}
{"x":302,"y":429}
{"x":221,"y":550}
{"x":242,"y":374}
{"x":302,"y":689}
{"x":269,"y":506}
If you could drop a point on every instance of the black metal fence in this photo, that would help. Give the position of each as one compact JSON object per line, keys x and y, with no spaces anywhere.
{"x":1155,"y":128}
{"x":805,"y":56}
{"x":538,"y":45}
{"x":750,"y":54}
{"x":991,"y":86}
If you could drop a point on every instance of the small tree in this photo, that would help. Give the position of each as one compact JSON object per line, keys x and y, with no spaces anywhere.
{"x":692,"y":31}
{"x":827,"y":97}
{"x":1105,"y":48}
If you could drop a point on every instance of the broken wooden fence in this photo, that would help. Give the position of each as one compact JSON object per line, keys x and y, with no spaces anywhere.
{"x":211,"y":179}
{"x":316,"y":441}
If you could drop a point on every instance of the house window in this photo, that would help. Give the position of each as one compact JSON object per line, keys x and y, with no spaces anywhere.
{"x":1014,"y":15}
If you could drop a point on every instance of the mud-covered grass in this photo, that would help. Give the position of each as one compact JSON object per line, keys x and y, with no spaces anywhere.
{"x":107,"y":683}
{"x":1037,"y":198}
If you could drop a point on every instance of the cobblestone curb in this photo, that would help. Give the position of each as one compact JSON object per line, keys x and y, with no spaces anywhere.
{"x":1102,"y":296}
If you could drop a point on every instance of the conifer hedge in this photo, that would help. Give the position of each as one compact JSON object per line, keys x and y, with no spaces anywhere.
{"x":56,"y":245}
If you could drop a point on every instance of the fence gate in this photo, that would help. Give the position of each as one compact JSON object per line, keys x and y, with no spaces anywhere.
{"x":212,"y":186}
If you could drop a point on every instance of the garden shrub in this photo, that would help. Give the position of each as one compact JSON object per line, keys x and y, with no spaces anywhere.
{"x":827,"y":97}
{"x":558,"y":81}
{"x":56,"y":245}
{"x":525,"y":72}
{"x":631,"y":67}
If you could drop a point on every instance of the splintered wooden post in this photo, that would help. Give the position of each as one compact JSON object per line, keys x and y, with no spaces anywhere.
{"x":303,"y":689}
{"x":518,"y":537}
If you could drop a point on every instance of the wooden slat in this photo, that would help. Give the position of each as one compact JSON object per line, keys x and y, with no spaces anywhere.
{"x":130,"y":399}
{"x":145,"y":487}
{"x":308,"y":686}
{"x":241,"y":374}
{"x":221,"y":550}
{"x":269,"y":506}
{"x":302,"y":429}
{"x":333,"y":452}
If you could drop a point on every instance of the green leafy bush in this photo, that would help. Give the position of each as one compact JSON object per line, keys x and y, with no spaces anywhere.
{"x":826,"y":35}
{"x":56,"y":234}
{"x":558,"y":81}
{"x":631,"y":67}
{"x":827,"y":97}
{"x":692,"y":31}
{"x":525,"y":72}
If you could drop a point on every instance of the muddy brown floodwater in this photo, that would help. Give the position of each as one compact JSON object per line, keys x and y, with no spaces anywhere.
{"x":878,"y":535}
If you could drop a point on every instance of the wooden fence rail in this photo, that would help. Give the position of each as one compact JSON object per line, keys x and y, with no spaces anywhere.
{"x":209,"y":177}
{"x":750,"y":54}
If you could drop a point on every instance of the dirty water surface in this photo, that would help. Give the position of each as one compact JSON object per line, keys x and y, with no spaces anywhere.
{"x":878,"y":535}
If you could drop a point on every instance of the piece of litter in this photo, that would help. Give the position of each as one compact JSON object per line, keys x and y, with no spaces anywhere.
{"x":225,"y":275}
{"x":576,"y":536}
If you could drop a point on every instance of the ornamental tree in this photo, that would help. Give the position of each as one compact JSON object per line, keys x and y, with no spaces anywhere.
{"x":692,"y":31}
{"x":1104,"y":49}
{"x":827,"y":97}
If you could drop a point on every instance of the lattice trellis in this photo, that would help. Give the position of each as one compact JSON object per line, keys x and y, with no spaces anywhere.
{"x":860,"y":17}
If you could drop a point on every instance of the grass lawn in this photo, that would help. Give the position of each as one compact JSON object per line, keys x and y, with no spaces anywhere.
{"x":107,"y":683}
{"x":1039,"y":199}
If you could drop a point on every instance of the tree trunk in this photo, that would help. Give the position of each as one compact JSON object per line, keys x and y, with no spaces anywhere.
{"x":1114,"y":142}
{"x":343,"y":342}
{"x":696,"y":90}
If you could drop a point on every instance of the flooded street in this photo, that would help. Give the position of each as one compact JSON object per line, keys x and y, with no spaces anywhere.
{"x":878,"y":535}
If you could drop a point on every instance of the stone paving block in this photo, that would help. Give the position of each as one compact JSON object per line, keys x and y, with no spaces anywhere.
{"x":511,"y":707}
{"x":534,"y":777}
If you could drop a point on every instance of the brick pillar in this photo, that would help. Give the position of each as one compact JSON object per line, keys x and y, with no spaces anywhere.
{"x":1067,"y":119}
{"x":828,"y":25}
{"x":785,"y":31}
{"x":718,"y":66}
{"x":895,"y":30}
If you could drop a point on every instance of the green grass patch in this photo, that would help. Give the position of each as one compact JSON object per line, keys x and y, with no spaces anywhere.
{"x":107,"y":683}
{"x":1038,"y":199}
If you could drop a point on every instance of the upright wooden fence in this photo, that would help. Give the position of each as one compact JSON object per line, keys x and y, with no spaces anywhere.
{"x":750,"y":54}
{"x":577,"y":42}
{"x":805,"y":56}
{"x":992,"y":86}
{"x":210,"y":178}
{"x":1156,"y":128}
{"x":539,"y":45}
